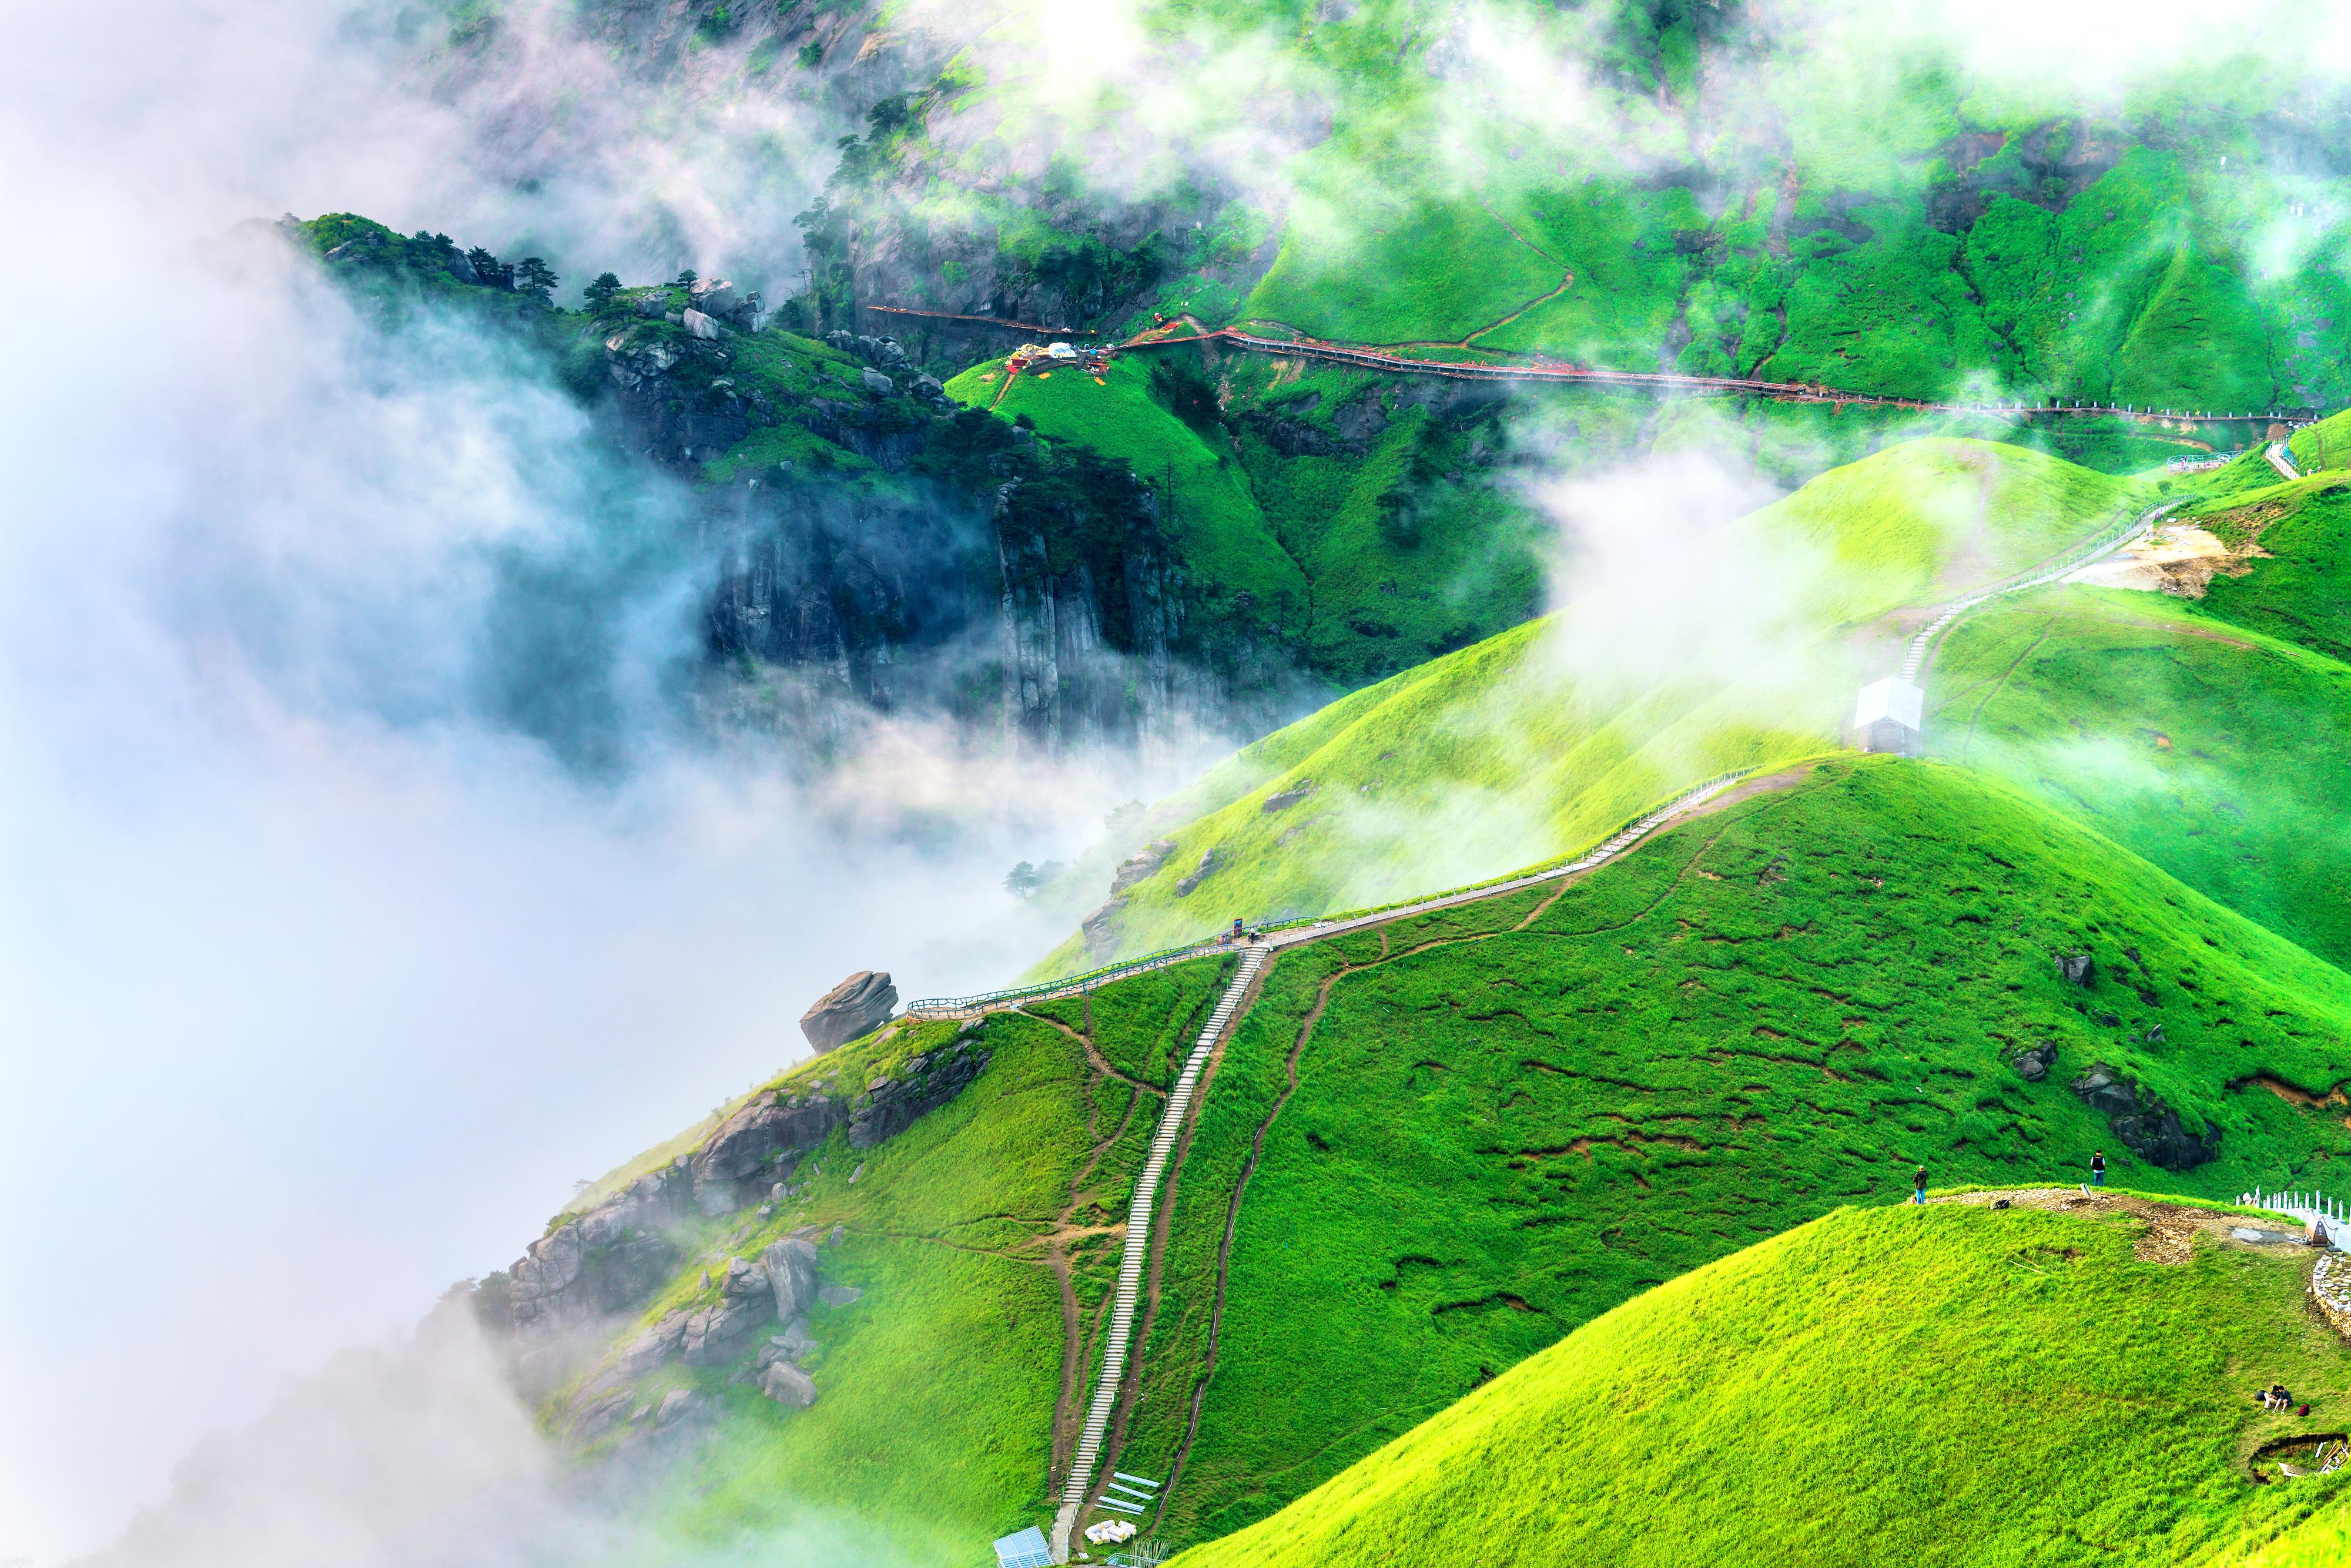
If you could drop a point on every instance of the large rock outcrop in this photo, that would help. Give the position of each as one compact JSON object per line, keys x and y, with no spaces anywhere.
{"x":860,"y":1004}
{"x":893,"y":1103}
{"x":2142,"y":1121}
{"x":758,"y":1147}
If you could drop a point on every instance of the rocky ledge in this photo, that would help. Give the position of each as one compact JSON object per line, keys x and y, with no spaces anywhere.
{"x":602,"y":1266}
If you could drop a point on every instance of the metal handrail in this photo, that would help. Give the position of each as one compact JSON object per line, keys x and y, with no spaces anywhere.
{"x":1540,"y":869}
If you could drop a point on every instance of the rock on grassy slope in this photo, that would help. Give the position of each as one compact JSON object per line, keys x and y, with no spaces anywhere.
{"x":1947,"y":1384}
{"x":955,"y":1190}
{"x":1456,"y":1139}
{"x":1541,"y":739}
{"x":1425,"y":1154}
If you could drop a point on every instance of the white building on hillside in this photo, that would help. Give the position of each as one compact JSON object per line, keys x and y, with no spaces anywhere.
{"x":1889,"y":717}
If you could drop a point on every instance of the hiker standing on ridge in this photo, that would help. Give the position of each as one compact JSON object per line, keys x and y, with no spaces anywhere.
{"x":2098,"y":1168}
{"x":1918,"y":1186}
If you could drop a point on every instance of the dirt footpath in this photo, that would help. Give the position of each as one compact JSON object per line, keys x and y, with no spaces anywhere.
{"x":2170,"y":1227}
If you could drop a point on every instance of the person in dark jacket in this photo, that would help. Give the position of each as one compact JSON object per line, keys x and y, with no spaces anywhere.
{"x":1918,"y":1186}
{"x":2098,"y":1168}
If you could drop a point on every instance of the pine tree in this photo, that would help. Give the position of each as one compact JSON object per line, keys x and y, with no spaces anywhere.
{"x":535,"y":277}
{"x":600,"y":293}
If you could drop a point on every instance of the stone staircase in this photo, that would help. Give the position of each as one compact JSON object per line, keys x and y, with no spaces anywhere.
{"x":1137,"y":1249}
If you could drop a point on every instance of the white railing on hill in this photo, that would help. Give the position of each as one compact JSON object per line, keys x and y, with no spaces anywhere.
{"x":2308,"y":1207}
{"x":1291,"y":929}
{"x":2080,"y":556}
{"x":1136,"y":1251}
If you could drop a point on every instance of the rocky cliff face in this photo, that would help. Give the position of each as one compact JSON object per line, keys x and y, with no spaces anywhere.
{"x":562,"y":1305}
{"x":1035,"y":591}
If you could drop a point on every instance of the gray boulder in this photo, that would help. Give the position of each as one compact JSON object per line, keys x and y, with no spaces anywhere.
{"x":2077,"y":969}
{"x":877,"y":383}
{"x":857,"y":1006}
{"x":839,"y":1295}
{"x":2033,"y":1063}
{"x":1288,"y":798}
{"x":1140,"y":866}
{"x":1100,"y":930}
{"x":716,"y":1336}
{"x":788,"y":1386}
{"x":652,"y":1347}
{"x":790,"y":1268}
{"x":700,"y":324}
{"x":2146,"y":1126}
{"x":1200,"y":874}
{"x":677,"y":1406}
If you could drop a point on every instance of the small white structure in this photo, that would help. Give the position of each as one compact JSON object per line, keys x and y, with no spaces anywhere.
{"x":1889,"y":717}
{"x":1104,"y":1532}
{"x":1060,"y":352}
{"x":1024,"y":1549}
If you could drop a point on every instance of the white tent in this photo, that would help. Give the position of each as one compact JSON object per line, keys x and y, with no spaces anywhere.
{"x":1889,"y":715}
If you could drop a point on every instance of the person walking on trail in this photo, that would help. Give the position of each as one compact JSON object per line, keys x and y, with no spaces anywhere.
{"x":1918,"y":1186}
{"x":2098,"y":1168}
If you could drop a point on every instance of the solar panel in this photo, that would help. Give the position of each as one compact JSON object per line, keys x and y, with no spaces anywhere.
{"x":1024,"y":1549}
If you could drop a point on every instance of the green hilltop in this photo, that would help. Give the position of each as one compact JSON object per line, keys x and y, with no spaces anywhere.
{"x":1429,"y":1150}
{"x":1519,"y":749}
{"x":1946,"y":1385}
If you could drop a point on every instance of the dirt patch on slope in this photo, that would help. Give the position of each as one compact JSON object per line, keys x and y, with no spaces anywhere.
{"x":2169,"y":1231}
{"x":2180,"y":560}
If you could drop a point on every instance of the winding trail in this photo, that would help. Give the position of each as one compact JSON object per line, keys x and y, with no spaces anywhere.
{"x":1538,"y":367}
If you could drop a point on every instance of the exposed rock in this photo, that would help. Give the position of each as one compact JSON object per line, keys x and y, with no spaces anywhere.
{"x":790,"y":1268}
{"x":787,"y":1384}
{"x":2077,"y":968}
{"x":877,"y":383}
{"x":1141,"y":866}
{"x":2033,"y":1062}
{"x":1288,"y":798}
{"x":652,"y":306}
{"x":839,"y":1295}
{"x":700,"y":325}
{"x":650,"y":1348}
{"x":855,"y":1007}
{"x":716,"y":1336}
{"x":1099,"y":930}
{"x":744,"y":1278}
{"x":929,"y":1081}
{"x":1200,"y":874}
{"x":677,"y":1406}
{"x":716,"y":297}
{"x":2146,"y":1126}
{"x":2103,"y":1090}
{"x":607,"y":1261}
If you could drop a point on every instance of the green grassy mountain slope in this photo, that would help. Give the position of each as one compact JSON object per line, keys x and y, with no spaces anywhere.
{"x":1950,"y":1385}
{"x":1533,"y":743}
{"x":1454,"y":1140}
{"x":981,"y":1237}
{"x":1429,"y":1151}
{"x":2204,"y":732}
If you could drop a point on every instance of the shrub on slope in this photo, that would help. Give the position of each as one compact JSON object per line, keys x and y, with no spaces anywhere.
{"x":1950,"y":1385}
{"x":2215,"y":750}
{"x":1510,"y":1117}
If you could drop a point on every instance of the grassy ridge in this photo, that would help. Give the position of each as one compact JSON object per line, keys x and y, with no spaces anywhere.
{"x":1942,"y":1385}
{"x":1215,"y":519}
{"x":2214,"y":750}
{"x":1536,"y":742}
{"x":1498,"y":1134}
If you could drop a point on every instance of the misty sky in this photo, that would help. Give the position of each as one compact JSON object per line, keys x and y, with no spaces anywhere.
{"x":318,"y":986}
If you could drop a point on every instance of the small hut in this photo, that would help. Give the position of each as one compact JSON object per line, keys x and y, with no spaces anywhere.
{"x":1889,"y":717}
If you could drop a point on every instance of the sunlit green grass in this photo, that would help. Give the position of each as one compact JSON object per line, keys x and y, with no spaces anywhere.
{"x":2214,"y":749}
{"x":1498,"y":1134}
{"x":1948,"y":1385}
